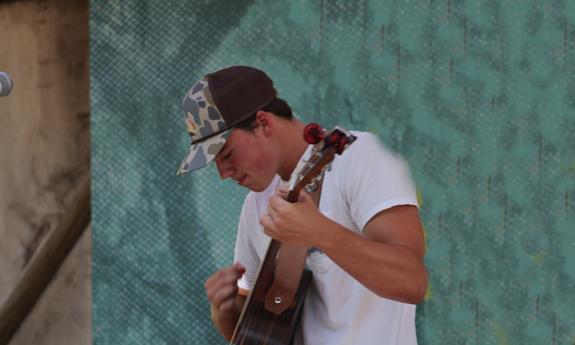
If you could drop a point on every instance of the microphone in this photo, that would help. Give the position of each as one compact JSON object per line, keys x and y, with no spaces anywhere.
{"x":6,"y":84}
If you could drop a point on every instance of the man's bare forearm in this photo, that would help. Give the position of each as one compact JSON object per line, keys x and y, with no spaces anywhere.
{"x":389,"y":270}
{"x":226,"y":324}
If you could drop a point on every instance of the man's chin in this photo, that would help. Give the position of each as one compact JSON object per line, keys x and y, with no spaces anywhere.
{"x":256,"y":189}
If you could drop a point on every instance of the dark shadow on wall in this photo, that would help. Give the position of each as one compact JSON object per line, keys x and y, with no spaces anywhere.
{"x":138,"y":81}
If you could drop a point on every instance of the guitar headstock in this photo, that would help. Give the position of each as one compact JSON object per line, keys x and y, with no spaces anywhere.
{"x":326,"y":145}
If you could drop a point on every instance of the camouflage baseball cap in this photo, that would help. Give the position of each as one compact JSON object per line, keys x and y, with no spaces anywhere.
{"x":218,"y":102}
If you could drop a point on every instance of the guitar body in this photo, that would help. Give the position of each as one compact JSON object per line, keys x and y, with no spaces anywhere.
{"x":257,"y":325}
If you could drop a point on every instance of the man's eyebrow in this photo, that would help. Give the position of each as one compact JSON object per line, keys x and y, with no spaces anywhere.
{"x":222,"y":150}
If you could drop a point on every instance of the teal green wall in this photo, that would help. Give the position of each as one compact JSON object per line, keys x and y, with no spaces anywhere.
{"x":479,"y":97}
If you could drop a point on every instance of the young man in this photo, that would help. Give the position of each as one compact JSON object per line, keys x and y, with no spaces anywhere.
{"x":367,"y":240}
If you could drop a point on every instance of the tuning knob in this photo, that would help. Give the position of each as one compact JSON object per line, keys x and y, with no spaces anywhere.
{"x":313,"y":133}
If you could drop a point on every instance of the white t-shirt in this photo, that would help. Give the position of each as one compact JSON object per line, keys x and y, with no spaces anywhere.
{"x":366,"y":179}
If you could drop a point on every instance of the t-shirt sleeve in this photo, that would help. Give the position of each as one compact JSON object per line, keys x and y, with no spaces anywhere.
{"x":375,"y":179}
{"x":245,"y":252}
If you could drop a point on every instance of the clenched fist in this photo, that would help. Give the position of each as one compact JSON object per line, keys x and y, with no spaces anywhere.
{"x":222,"y":290}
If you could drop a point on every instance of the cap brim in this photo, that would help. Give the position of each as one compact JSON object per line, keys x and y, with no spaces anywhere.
{"x":203,"y":153}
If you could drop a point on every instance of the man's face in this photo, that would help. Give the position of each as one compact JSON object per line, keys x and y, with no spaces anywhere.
{"x":248,"y":158}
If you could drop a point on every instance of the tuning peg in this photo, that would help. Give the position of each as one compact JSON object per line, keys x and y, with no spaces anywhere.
{"x":313,"y":133}
{"x":312,"y":186}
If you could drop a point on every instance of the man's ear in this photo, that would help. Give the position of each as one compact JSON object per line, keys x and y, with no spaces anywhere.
{"x":265,"y":119}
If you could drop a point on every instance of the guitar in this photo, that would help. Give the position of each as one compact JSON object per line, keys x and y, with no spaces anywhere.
{"x":272,"y":310}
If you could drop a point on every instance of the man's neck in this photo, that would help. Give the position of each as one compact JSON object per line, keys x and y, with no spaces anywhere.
{"x":293,"y":147}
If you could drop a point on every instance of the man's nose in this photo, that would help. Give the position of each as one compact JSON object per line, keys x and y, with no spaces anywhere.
{"x":225,"y":170}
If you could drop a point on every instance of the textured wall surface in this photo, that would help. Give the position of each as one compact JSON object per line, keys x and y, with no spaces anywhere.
{"x":44,"y":153}
{"x":479,"y":96}
{"x":63,"y":315}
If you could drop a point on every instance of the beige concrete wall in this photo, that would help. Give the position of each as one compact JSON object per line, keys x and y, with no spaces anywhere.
{"x":44,"y":152}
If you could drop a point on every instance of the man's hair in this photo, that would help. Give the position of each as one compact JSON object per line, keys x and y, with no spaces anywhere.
{"x":277,"y":106}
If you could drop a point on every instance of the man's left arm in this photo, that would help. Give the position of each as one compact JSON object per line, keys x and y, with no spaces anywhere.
{"x":387,"y":257}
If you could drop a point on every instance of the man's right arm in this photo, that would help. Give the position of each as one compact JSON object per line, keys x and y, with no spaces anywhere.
{"x":226,"y":324}
{"x":226,"y":303}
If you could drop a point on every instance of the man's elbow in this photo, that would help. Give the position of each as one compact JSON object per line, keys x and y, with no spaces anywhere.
{"x":418,"y":289}
{"x":412,"y":292}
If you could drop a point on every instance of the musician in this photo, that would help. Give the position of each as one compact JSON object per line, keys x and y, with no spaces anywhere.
{"x":366,"y":238}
